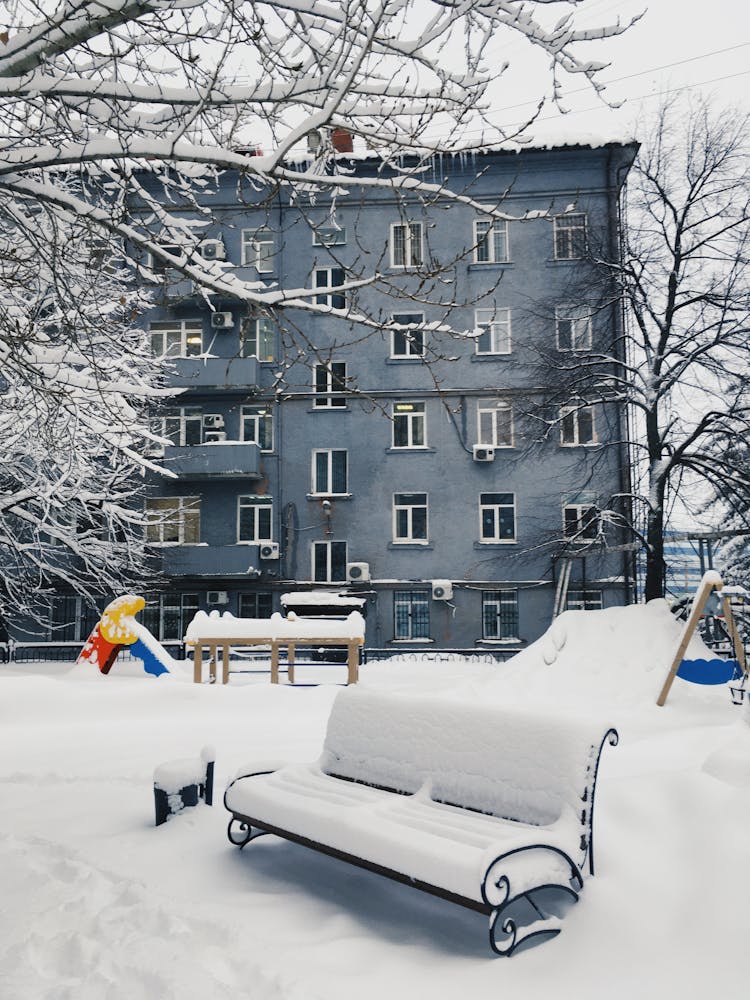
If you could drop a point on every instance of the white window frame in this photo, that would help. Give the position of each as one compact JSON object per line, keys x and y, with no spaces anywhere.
{"x":160,"y":267}
{"x":498,"y":323}
{"x":258,"y":505}
{"x":581,"y":333}
{"x":328,"y":543}
{"x":494,"y":240}
{"x":184,"y":417}
{"x":320,"y":234}
{"x":499,"y":600}
{"x":187,"y":336}
{"x":402,"y":506}
{"x":581,"y":508}
{"x":496,"y":507}
{"x":416,"y":325}
{"x":572,"y":414}
{"x":324,"y":277}
{"x":588,"y":599}
{"x":255,"y":252}
{"x":264,"y":335}
{"x":410,"y":600}
{"x":492,"y":417}
{"x":328,"y":491}
{"x":186,"y":513}
{"x":415,"y":420}
{"x":570,"y":236}
{"x":413,"y":244}
{"x":330,"y":398}
{"x":253,"y":417}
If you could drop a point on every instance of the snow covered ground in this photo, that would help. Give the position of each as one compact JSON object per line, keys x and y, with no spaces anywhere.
{"x":98,"y":904}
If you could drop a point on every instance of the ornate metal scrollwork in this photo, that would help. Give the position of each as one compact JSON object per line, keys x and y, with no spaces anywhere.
{"x":240,"y":832}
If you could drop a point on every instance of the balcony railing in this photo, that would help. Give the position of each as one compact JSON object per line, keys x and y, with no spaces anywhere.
{"x":220,"y":460}
{"x":211,"y":560}
{"x":213,"y":373}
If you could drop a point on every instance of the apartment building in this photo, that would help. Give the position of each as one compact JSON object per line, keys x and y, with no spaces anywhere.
{"x":412,"y":462}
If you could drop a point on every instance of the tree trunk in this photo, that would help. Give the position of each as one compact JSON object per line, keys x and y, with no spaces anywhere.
{"x":656,"y":568}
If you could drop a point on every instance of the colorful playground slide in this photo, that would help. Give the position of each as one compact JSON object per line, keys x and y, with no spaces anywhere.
{"x":117,"y":628}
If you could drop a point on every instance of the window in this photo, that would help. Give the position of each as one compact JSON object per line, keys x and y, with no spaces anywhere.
{"x":259,"y":250}
{"x":490,"y":241}
{"x":584,"y":600}
{"x":328,"y":236}
{"x":183,"y":426}
{"x":255,"y":605}
{"x":493,"y":327}
{"x":408,"y":343}
{"x":257,"y":339}
{"x":573,"y":327}
{"x":330,"y":277}
{"x":495,"y":425}
{"x":411,"y":614}
{"x":329,"y":385}
{"x":581,"y":520}
{"x":570,"y":236}
{"x":71,"y":619}
{"x":406,"y":244}
{"x":329,"y":562}
{"x":175,"y":338}
{"x":497,"y":517}
{"x":410,"y":517}
{"x":160,"y":266}
{"x":499,"y":614}
{"x":254,"y":519}
{"x":173,"y":520}
{"x":168,"y":615}
{"x":577,"y":425}
{"x":409,"y":425}
{"x":256,"y":424}
{"x":329,"y":472}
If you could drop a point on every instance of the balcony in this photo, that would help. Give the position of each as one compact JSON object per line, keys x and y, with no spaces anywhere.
{"x":220,"y":460}
{"x":212,"y":373}
{"x":212,"y":560}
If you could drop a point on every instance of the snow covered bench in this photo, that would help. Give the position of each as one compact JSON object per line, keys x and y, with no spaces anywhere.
{"x":484,"y":806}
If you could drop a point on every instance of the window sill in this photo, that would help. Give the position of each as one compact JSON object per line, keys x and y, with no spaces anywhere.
{"x":328,"y":409}
{"x":495,"y":544}
{"x":481,"y":265}
{"x":410,"y":545}
{"x":424,"y":449}
{"x":509,"y":643}
{"x":400,"y":359}
{"x":329,"y":496}
{"x":491,"y":357}
{"x":425,"y":642}
{"x":582,"y":444}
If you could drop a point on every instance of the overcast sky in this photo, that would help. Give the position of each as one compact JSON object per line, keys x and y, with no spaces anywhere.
{"x":690,"y":46}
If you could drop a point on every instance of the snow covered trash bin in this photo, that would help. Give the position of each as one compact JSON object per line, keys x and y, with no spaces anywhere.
{"x":182,"y":783}
{"x":486,"y":806}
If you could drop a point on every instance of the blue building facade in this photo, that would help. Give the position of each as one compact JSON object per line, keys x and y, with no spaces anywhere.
{"x":398,"y":459}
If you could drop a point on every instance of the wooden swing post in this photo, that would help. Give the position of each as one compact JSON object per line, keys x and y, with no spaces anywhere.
{"x":706,"y":587}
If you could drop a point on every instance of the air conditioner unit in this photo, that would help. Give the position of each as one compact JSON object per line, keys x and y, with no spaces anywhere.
{"x":442,"y":590}
{"x":213,"y":250}
{"x":213,"y":421}
{"x":483,"y":453}
{"x":212,"y":437}
{"x":269,"y":550}
{"x":221,"y":321}
{"x":217,"y":597}
{"x":358,"y":572}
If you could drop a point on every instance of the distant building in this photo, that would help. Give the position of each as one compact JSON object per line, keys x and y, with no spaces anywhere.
{"x":392,"y":467}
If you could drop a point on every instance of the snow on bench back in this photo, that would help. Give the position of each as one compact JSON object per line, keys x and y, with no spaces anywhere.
{"x":511,"y":764}
{"x":206,"y":627}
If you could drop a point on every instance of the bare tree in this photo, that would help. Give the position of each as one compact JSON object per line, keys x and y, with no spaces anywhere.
{"x":679,"y":362}
{"x":115,"y":119}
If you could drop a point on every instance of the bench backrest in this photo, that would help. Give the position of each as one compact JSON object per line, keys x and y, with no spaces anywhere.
{"x":513,"y":764}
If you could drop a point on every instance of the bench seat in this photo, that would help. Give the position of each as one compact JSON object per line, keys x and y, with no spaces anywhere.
{"x":482,"y":805}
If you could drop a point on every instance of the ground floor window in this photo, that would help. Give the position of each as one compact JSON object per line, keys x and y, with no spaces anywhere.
{"x":499,"y":614}
{"x":168,"y":615}
{"x":411,"y":614}
{"x":584,"y":600}
{"x":329,"y":562}
{"x":255,"y":605}
{"x":71,"y":619}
